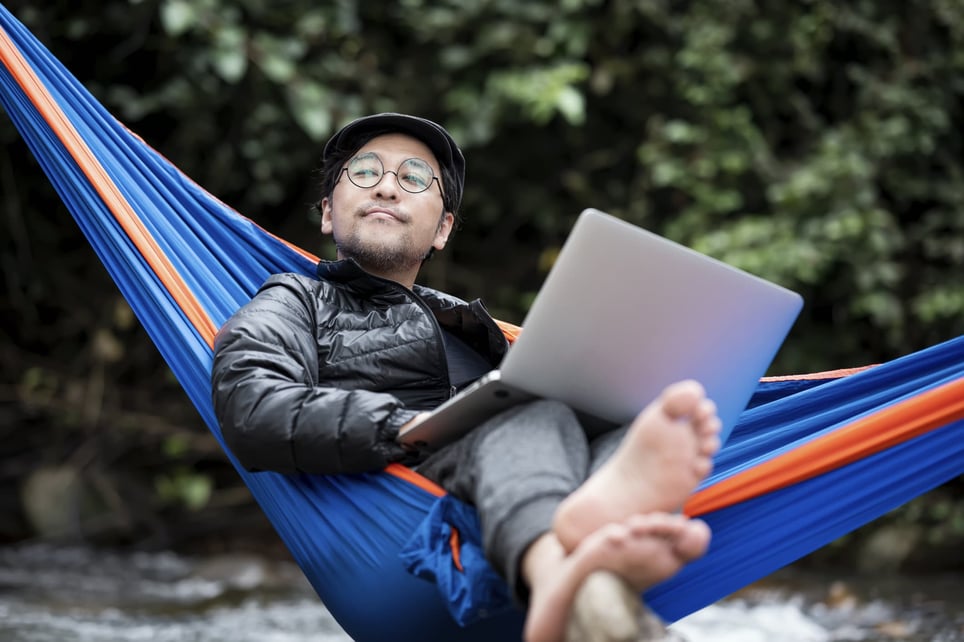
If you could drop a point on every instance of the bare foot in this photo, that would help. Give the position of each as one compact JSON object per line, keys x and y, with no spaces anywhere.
{"x":642,"y":550}
{"x":686,"y":538}
{"x":665,"y":454}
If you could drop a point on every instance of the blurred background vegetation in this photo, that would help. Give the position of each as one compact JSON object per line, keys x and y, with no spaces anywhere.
{"x":815,"y":143}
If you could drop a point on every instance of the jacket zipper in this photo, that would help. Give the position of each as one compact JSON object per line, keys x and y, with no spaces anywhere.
{"x":440,"y":342}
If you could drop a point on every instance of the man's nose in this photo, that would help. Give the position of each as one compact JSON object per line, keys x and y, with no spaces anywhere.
{"x":387,"y":188}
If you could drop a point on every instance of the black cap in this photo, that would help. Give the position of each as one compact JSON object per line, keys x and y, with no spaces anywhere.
{"x":432,"y":134}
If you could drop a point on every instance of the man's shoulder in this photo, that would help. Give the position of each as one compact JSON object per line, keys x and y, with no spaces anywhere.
{"x":326,"y":297}
{"x":292,"y":280}
{"x":287,"y":287}
{"x":280,"y":294}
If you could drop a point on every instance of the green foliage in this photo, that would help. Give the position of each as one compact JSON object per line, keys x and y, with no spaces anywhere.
{"x":185,"y":488}
{"x":817,"y":144}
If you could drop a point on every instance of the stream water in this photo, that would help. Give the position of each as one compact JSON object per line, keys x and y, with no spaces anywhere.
{"x":56,"y":594}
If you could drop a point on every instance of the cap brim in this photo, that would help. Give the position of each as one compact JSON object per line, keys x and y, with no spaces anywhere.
{"x":434,"y":136}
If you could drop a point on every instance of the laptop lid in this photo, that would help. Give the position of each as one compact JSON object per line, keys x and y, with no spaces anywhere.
{"x":624,"y":312}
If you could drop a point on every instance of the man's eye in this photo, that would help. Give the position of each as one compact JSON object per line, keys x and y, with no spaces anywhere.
{"x":416,"y":180}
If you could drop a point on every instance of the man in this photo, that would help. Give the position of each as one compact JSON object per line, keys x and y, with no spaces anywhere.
{"x":321,"y":375}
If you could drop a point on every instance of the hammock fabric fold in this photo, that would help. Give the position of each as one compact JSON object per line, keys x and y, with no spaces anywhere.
{"x":811,"y":459}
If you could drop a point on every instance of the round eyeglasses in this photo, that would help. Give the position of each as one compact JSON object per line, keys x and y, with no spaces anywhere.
{"x":413,"y":175}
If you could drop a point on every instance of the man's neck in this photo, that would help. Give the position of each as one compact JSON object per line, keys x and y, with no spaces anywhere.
{"x":405,"y":278}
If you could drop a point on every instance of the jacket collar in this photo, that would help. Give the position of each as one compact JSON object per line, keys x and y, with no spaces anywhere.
{"x":469,"y":320}
{"x":347,"y":272}
{"x":342,"y":271}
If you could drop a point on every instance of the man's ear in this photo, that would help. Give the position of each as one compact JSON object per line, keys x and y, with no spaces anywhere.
{"x":326,"y":215}
{"x":445,"y":225}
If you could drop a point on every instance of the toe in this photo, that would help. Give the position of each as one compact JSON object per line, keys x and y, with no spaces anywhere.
{"x":702,"y":467}
{"x":682,"y":399}
{"x":705,"y":411}
{"x":693,"y":540}
{"x":656,"y":524}
{"x":709,"y":446}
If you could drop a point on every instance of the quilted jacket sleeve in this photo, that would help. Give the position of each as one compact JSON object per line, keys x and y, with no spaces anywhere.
{"x":273,"y":414}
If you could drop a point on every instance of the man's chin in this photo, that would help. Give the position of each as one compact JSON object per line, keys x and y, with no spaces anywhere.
{"x":380,"y":257}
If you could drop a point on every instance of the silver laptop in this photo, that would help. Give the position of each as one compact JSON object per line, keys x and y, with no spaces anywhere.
{"x":622,"y":314}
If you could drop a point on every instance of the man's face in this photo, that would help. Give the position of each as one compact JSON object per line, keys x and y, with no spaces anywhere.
{"x":386,"y":228}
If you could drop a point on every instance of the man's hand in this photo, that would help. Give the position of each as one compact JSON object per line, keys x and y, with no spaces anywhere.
{"x":411,"y":423}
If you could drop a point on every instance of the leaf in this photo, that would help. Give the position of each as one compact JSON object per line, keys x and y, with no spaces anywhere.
{"x":229,"y":57}
{"x":309,"y":101}
{"x":196,"y":491}
{"x":175,"y":446}
{"x":277,"y":61}
{"x":184,"y":487}
{"x":572,"y":105}
{"x":177,"y":17}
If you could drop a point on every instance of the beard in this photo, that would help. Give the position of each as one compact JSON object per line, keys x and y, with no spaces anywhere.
{"x":381,"y":255}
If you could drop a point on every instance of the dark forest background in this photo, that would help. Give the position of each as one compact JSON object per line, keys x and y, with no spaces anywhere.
{"x":817,"y":144}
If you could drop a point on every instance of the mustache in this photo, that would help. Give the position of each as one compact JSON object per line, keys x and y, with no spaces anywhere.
{"x":367,"y":208}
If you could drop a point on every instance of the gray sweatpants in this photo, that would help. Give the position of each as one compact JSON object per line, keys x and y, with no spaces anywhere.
{"x":515,"y":469}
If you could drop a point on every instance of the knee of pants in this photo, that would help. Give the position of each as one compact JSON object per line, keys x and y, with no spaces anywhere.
{"x":549,"y":409}
{"x":530,"y":427}
{"x":540,"y":424}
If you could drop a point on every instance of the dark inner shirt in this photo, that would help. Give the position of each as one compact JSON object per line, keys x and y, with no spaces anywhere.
{"x":465,"y":364}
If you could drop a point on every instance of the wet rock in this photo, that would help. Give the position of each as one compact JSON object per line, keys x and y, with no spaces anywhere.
{"x":841,"y":596}
{"x":242,"y":572}
{"x":67,"y":503}
{"x":888,"y":547}
{"x":606,"y":609}
{"x":53,"y":499}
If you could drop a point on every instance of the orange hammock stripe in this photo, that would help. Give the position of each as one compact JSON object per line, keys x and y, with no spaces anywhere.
{"x":827,"y":374}
{"x":415,"y":479}
{"x":510,"y":331}
{"x":862,"y":438}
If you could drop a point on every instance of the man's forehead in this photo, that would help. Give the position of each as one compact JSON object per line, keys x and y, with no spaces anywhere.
{"x":397,"y":146}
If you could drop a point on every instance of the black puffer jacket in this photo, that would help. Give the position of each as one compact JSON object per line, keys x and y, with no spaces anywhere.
{"x":318,"y":375}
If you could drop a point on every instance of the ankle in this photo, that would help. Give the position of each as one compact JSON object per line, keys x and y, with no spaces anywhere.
{"x":541,"y":559}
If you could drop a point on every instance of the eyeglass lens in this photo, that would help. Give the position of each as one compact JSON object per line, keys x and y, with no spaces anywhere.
{"x":413,"y":175}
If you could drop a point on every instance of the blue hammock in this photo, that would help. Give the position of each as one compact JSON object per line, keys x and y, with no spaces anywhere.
{"x":185,"y":262}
